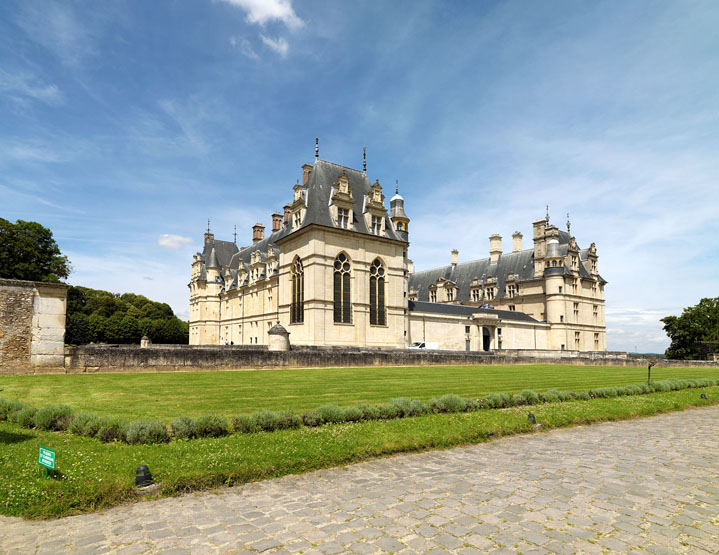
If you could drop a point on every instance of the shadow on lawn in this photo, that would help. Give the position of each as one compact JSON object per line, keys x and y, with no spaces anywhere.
{"x":8,"y":438}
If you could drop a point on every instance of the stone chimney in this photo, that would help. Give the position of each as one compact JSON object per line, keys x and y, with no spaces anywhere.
{"x":495,"y":247}
{"x":288,"y":211}
{"x":455,"y":258}
{"x":209,"y":236}
{"x":306,"y":170}
{"x":276,"y":222}
{"x":258,"y":233}
{"x":410,"y":267}
{"x":516,"y":241}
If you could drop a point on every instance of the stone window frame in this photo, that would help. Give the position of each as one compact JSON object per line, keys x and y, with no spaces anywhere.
{"x":377,"y":293}
{"x":342,"y":289}
{"x":297,"y":291}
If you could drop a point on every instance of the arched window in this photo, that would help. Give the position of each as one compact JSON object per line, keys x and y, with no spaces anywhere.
{"x":343,"y":304}
{"x":377,"y":313}
{"x":297,"y":277}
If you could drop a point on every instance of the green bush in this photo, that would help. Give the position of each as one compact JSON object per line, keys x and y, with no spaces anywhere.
{"x":473,"y":405}
{"x":85,"y":424}
{"x":410,"y":407}
{"x":184,"y":428}
{"x":211,"y":426}
{"x":112,"y":429}
{"x":25,"y":417}
{"x":369,"y":412}
{"x":288,"y":420}
{"x":311,"y":419}
{"x":447,"y":403}
{"x":53,"y":417}
{"x":331,"y":414}
{"x":146,"y":432}
{"x":353,"y":414}
{"x":388,"y":411}
{"x":245,"y":424}
{"x":551,"y":396}
{"x":583,"y":396}
{"x":530,"y":397}
{"x":8,"y":408}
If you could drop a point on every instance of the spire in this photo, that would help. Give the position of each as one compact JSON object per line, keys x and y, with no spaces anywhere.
{"x":212,"y":262}
{"x":569,"y":225}
{"x":547,"y":217}
{"x":364,"y":159}
{"x":317,"y":148}
{"x":396,"y":186}
{"x":235,"y":234}
{"x":208,"y":225}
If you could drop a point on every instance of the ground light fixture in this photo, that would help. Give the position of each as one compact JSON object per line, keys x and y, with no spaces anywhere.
{"x":649,"y":373}
{"x":532,"y":418}
{"x":142,"y":476}
{"x":704,"y":395}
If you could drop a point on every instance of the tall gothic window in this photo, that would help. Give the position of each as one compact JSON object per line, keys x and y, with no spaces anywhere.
{"x":343,"y":304}
{"x":377,"y":313}
{"x":297,"y":277}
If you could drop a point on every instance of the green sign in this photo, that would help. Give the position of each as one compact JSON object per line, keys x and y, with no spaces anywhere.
{"x":46,"y":457}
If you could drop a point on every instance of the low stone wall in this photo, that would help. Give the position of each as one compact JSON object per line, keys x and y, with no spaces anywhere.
{"x":123,"y":358}
{"x":32,"y":324}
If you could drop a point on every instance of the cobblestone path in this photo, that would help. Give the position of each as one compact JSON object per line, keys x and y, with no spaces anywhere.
{"x":644,"y":486}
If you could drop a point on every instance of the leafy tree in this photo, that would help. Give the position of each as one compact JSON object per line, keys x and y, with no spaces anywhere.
{"x":104,"y":317}
{"x":28,"y":251}
{"x":697,"y":323}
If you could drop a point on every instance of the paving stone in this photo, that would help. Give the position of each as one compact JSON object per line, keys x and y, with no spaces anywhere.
{"x":649,"y":489}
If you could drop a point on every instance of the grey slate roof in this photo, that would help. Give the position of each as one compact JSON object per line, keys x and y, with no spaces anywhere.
{"x":319,"y":188}
{"x":463,"y":310}
{"x":223,"y":251}
{"x":520,"y":263}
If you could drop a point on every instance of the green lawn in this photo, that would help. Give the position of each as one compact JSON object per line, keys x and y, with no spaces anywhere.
{"x":165,"y":396}
{"x":95,"y":475}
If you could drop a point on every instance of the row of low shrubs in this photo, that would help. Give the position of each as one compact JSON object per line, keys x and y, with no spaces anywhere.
{"x":61,"y":417}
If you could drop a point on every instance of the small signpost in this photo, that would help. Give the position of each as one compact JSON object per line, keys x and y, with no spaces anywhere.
{"x":46,"y":458}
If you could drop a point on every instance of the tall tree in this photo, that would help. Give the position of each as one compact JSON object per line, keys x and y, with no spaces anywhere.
{"x":28,"y":251}
{"x":697,"y":323}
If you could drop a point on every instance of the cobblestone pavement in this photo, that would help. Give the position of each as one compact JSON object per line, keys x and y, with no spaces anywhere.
{"x":644,"y":486}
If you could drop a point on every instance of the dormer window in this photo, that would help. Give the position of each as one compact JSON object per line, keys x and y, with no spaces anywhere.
{"x":511,"y":291}
{"x":376,"y":225}
{"x":343,"y":217}
{"x":297,"y":220}
{"x":489,"y":292}
{"x":433,"y":295}
{"x":450,"y":294}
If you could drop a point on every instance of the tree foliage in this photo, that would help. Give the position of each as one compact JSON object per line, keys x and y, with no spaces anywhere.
{"x":696,"y":324}
{"x":28,"y":251}
{"x":101,"y":317}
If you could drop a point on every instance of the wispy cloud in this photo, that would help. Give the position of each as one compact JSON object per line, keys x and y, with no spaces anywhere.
{"x":55,"y":26}
{"x":279,"y":45}
{"x":174,"y":242}
{"x":22,"y":87}
{"x":244,"y":46}
{"x":261,"y":12}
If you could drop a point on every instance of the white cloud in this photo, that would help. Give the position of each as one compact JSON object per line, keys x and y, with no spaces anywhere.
{"x":245,"y":47}
{"x":262,"y":11}
{"x":24,"y":86}
{"x":280,"y":45}
{"x":174,"y":242}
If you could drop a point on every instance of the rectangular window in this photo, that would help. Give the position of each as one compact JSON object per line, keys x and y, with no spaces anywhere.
{"x":576,"y":340}
{"x":450,"y":294}
{"x":596,"y":341}
{"x":343,"y":217}
{"x":298,"y":220}
{"x":561,"y":317}
{"x":560,"y":289}
{"x":595,"y":311}
{"x":512,"y":307}
{"x":433,"y":296}
{"x":490,"y":293}
{"x":376,"y":225}
{"x":510,"y":291}
{"x":576,"y":311}
{"x":466,"y":329}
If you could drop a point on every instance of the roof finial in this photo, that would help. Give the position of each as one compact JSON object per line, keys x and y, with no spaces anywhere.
{"x":208,"y":225}
{"x":364,"y":159}
{"x":569,"y":225}
{"x":396,"y":186}
{"x":317,"y":148}
{"x":547,"y":217}
{"x":235,"y":234}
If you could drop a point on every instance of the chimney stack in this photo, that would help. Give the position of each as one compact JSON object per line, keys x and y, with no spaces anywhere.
{"x":455,"y":258}
{"x":258,"y":233}
{"x":306,"y":170}
{"x":288,"y":210}
{"x":410,"y":267}
{"x":495,"y":247}
{"x":276,"y":222}
{"x":516,"y":241}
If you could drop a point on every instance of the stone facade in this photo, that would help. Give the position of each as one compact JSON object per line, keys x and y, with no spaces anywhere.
{"x":32,"y":324}
{"x":335,"y":272}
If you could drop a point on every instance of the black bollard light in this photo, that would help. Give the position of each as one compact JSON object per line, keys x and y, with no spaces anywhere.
{"x":649,"y":373}
{"x":704,"y":395}
{"x":142,"y":476}
{"x":533,"y":419}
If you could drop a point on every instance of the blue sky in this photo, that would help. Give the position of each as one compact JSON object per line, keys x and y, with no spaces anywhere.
{"x":125,"y":125}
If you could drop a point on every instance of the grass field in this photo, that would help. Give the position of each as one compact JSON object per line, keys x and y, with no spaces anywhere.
{"x":165,"y":396}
